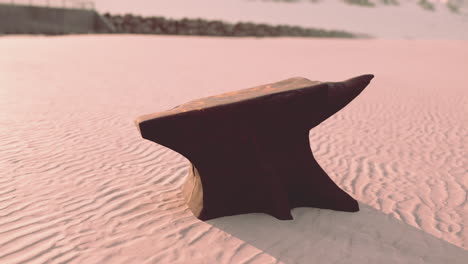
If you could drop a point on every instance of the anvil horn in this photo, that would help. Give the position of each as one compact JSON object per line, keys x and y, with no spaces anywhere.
{"x":342,"y":93}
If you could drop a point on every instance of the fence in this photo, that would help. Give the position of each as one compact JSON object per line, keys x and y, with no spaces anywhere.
{"x":51,"y":17}
{"x":74,"y":4}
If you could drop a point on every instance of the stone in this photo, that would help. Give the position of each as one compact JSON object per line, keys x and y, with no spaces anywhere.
{"x":250,"y":151}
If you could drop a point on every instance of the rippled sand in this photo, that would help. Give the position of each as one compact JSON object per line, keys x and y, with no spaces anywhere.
{"x":79,"y":185}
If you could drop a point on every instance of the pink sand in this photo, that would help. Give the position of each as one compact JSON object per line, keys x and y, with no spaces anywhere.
{"x":79,"y":184}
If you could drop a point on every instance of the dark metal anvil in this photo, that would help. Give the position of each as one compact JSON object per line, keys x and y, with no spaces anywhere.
{"x":249,"y":149}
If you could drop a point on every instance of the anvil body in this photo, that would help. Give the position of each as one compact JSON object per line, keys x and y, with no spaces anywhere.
{"x":249,"y":150}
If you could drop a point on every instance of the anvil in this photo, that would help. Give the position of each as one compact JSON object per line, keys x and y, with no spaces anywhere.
{"x":249,"y":149}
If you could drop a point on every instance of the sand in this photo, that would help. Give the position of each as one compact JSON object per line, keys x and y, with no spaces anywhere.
{"x":79,"y":185}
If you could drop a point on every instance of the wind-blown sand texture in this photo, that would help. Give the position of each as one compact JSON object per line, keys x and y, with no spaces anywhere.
{"x":79,"y":185}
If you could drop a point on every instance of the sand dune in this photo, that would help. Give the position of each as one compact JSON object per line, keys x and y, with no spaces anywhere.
{"x":79,"y":185}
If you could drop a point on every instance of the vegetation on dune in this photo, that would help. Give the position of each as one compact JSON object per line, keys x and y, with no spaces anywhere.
{"x":426,"y":5}
{"x":390,"y":2}
{"x":365,"y":3}
{"x":452,"y":7}
{"x":199,"y":27}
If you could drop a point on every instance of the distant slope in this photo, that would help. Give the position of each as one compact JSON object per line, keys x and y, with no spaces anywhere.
{"x":456,"y":6}
{"x":406,"y":19}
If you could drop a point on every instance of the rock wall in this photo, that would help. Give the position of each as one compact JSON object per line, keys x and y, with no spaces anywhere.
{"x":200,"y":27}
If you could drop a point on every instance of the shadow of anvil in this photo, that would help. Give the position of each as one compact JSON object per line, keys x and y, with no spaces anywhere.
{"x":249,"y":149}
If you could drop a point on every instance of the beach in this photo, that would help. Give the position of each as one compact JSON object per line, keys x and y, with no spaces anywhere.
{"x":80,"y":185}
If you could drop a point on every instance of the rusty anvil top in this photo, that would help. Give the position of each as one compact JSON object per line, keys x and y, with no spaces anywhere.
{"x":233,"y":97}
{"x":250,"y":150}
